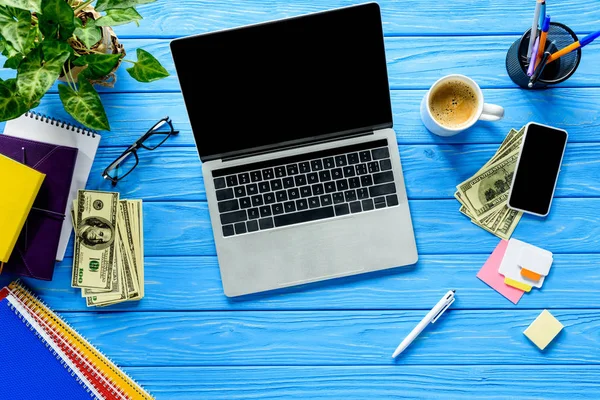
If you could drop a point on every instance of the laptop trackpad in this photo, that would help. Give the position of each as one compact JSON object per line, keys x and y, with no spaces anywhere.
{"x":321,"y":278}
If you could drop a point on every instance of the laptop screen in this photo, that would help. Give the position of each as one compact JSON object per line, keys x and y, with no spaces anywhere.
{"x":289,"y":81}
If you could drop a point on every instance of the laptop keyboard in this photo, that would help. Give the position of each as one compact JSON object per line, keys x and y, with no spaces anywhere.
{"x":309,"y":187}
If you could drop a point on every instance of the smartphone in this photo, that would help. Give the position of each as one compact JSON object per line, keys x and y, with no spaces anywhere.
{"x":537,"y":169}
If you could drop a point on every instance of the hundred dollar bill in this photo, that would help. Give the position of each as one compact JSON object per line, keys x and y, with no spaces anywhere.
{"x":508,"y":224}
{"x":102,"y":300}
{"x":502,"y":149}
{"x":117,"y":278}
{"x":139,"y":212}
{"x":488,"y":191}
{"x":94,"y":255}
{"x":127,"y":256}
{"x":514,"y":145}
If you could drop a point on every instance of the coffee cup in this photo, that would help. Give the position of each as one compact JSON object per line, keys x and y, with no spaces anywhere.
{"x":455,"y":103}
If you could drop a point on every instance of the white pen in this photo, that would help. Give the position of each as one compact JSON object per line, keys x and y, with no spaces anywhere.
{"x":431,"y":317}
{"x":534,"y":27}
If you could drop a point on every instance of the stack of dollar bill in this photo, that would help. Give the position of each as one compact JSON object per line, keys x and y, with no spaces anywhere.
{"x":108,"y":261}
{"x":483,"y":197}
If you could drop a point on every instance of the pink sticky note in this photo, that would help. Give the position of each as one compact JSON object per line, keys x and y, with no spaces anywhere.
{"x":489,"y":274}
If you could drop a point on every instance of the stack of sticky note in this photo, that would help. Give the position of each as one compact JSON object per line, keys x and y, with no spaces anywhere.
{"x":543,"y":330}
{"x":516,"y":267}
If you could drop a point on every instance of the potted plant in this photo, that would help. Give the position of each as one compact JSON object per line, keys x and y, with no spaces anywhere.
{"x":71,"y":41}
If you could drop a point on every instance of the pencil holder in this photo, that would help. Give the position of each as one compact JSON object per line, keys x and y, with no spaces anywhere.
{"x":560,"y":70}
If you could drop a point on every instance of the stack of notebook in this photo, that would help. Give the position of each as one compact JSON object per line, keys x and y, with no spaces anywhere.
{"x":62,"y":155}
{"x":44,"y":358}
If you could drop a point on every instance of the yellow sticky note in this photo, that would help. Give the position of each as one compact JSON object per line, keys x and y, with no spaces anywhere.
{"x":543,"y":330}
{"x":517,"y":284}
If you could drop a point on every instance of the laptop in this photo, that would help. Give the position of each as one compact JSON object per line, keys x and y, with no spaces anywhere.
{"x":292,"y":120}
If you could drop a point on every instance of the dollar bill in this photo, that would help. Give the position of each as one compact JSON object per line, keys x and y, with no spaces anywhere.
{"x":483,"y":197}
{"x":488,"y":191}
{"x":127,"y":272}
{"x":117,"y":278}
{"x":127,"y":253}
{"x":136,"y":220}
{"x":94,"y":254}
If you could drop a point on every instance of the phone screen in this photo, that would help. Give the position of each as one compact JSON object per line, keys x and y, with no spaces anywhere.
{"x":537,"y":171}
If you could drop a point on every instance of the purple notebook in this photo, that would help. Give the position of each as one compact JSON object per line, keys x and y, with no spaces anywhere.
{"x":35,"y":252}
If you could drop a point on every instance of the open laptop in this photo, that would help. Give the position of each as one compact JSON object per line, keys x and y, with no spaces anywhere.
{"x":293,"y":124}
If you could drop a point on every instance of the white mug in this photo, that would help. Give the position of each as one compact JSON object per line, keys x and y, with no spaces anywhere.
{"x":485,"y":112}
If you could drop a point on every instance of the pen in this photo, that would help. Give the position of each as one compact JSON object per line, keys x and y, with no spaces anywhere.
{"x":540,"y":68}
{"x":532,"y":61}
{"x":543,"y":36}
{"x":534,"y":27}
{"x":431,"y":317}
{"x":542,"y":14}
{"x":577,"y":45}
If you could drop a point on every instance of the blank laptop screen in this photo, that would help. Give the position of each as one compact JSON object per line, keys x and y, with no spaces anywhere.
{"x":302,"y":78}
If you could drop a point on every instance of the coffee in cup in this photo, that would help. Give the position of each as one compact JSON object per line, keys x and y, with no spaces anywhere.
{"x":454,"y":103}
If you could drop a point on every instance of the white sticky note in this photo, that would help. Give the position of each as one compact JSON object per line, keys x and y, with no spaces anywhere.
{"x":535,"y":259}
{"x":510,"y":263}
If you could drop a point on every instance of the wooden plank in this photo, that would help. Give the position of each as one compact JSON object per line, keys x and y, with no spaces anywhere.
{"x":574,"y":109}
{"x":430,"y":171}
{"x":462,"y":17}
{"x":369,"y":382}
{"x":184,"y":229}
{"x":194,"y":283}
{"x":410,"y":62}
{"x":312,"y":337}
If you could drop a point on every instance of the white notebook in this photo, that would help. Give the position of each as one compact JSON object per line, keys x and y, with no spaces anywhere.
{"x":34,"y":126}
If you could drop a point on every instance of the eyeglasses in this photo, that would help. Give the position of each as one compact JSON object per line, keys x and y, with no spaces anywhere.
{"x":151,"y":140}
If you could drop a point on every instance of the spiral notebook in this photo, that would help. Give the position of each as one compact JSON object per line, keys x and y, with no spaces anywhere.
{"x":95,"y":373}
{"x":51,"y":375}
{"x":38,"y":127}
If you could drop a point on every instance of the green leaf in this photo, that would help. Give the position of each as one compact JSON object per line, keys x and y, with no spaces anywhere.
{"x":147,"y":68}
{"x":14,"y":61}
{"x":54,"y":49}
{"x":89,"y":34}
{"x":84,"y":105}
{"x":119,"y":17}
{"x":7,"y":50}
{"x":98,"y":65}
{"x":40,"y":68}
{"x":16,"y":28}
{"x":29,"y":5}
{"x":57,"y":17}
{"x":102,"y":5}
{"x":11,"y":104}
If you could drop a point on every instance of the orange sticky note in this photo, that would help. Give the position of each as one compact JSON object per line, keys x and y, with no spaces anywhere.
{"x":525,"y":273}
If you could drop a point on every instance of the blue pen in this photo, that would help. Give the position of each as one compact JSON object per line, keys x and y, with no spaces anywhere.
{"x":577,"y":45}
{"x":542,"y":14}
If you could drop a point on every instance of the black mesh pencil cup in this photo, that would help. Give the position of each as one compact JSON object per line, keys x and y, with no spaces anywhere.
{"x":560,"y":70}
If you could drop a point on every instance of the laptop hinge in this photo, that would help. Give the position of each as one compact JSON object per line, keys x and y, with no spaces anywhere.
{"x":295,"y":146}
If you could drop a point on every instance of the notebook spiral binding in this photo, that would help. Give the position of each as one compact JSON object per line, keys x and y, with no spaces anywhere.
{"x":33,"y":302}
{"x":60,"y":123}
{"x":19,"y":315}
{"x":97,"y":378}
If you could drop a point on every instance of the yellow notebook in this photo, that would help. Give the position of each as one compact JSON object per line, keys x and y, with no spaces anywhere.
{"x":19,"y":186}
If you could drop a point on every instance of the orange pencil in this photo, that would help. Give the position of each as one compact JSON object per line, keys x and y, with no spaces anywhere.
{"x":543,"y":37}
{"x":572,"y":47}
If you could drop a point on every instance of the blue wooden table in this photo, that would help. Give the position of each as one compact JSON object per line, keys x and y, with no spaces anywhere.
{"x":333,"y":339}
